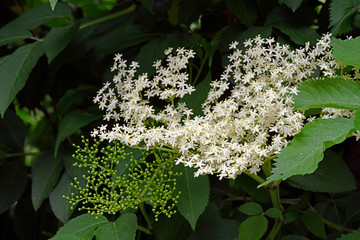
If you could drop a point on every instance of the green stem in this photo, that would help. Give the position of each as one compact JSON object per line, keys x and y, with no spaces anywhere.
{"x":146,"y":216}
{"x":336,"y":226}
{"x":255,"y":177}
{"x":19,"y":154}
{"x":109,"y":17}
{"x":200,"y":69}
{"x":145,"y":230}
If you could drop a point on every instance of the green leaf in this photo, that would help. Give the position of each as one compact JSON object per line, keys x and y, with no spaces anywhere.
{"x":273,"y":213}
{"x":194,"y":194}
{"x":75,"y":171}
{"x":249,"y":185}
{"x":197,"y":98}
{"x":154,"y":50}
{"x":346,"y":51}
{"x":74,"y":97}
{"x":148,"y":4}
{"x":176,"y":227}
{"x":332,"y":176}
{"x":253,"y":228}
{"x":293,"y":4}
{"x":12,"y":183}
{"x":328,"y":92}
{"x":217,"y":230}
{"x":53,"y":4}
{"x":58,"y":38}
{"x":313,"y":223}
{"x":15,"y":70}
{"x":45,"y":173}
{"x":72,"y":122}
{"x":124,"y":228}
{"x":119,"y":39}
{"x":66,"y":237}
{"x":82,"y":226}
{"x":291,"y":216}
{"x":251,"y":208}
{"x":59,"y":205}
{"x":341,"y":12}
{"x":11,"y":35}
{"x":357,"y":120}
{"x":299,"y":35}
{"x":302,"y":155}
{"x":12,"y":131}
{"x":39,"y":15}
{"x":244,"y":10}
{"x":350,"y":236}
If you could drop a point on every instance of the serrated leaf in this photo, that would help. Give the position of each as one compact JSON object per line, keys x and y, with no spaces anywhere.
{"x":12,"y":183}
{"x":350,"y":236}
{"x":313,"y":223}
{"x":66,"y":237}
{"x":53,"y":4}
{"x":253,"y":228}
{"x":273,"y":213}
{"x":72,"y":122}
{"x":124,"y":228}
{"x":59,"y":205}
{"x":244,"y":10}
{"x":45,"y":173}
{"x":15,"y":70}
{"x":251,"y":208}
{"x":328,"y":92}
{"x":341,"y":12}
{"x":11,"y":35}
{"x":293,"y":4}
{"x":302,"y":155}
{"x":194,"y":194}
{"x":58,"y":38}
{"x":346,"y":51}
{"x":217,"y":230}
{"x":12,"y":131}
{"x":82,"y":226}
{"x":332,"y":176}
{"x":119,"y":39}
{"x":39,"y":15}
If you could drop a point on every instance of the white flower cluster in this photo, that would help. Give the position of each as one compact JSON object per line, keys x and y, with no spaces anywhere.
{"x":248,"y":114}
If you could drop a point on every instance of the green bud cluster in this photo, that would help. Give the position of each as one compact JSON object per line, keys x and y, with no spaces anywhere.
{"x":112,"y":186}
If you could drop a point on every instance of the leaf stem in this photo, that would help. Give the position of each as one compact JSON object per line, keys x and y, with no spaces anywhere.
{"x":10,"y":155}
{"x":109,"y":17}
{"x":146,"y":216}
{"x":145,"y":230}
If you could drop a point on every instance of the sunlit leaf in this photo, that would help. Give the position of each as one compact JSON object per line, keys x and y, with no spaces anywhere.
{"x":328,"y":92}
{"x":53,"y":4}
{"x":346,"y":51}
{"x":302,"y":155}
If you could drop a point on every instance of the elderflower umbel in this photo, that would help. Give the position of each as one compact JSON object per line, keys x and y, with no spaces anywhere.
{"x":237,"y":130}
